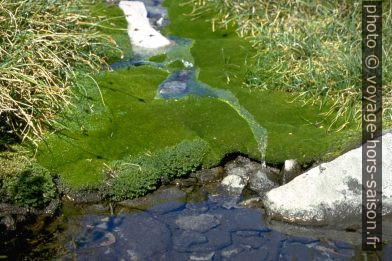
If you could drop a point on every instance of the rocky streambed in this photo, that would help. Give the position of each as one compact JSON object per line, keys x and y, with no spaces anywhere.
{"x":214,"y":214}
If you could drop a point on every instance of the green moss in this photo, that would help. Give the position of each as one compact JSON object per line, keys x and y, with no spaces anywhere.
{"x":135,"y":176}
{"x":310,"y":48}
{"x":13,"y":161}
{"x":131,"y":122}
{"x":295,"y":131}
{"x":134,"y":122}
{"x":160,"y":58}
{"x":174,"y":162}
{"x":32,"y":187}
{"x":132,"y":183}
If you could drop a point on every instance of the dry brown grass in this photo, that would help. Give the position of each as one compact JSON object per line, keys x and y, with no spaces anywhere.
{"x":43,"y":46}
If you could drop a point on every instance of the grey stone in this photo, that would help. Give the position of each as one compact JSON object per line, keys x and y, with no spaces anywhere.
{"x":8,"y":209}
{"x":185,"y":183}
{"x":295,"y":251}
{"x":239,"y":219}
{"x":231,"y":251}
{"x":255,"y":202}
{"x":184,"y":240}
{"x":260,"y":183}
{"x":145,"y":236}
{"x":231,"y":203}
{"x":218,"y":238}
{"x":167,"y":207}
{"x":248,"y":233}
{"x":269,"y":250}
{"x":97,"y":208}
{"x":248,"y":241}
{"x":331,"y":192}
{"x":208,"y":175}
{"x":138,"y":236}
{"x":8,"y":222}
{"x":171,"y":255}
{"x":52,"y":207}
{"x":199,"y":223}
{"x":163,"y":195}
{"x":242,"y":167}
{"x":224,"y":200}
{"x":103,"y":226}
{"x":197,"y":208}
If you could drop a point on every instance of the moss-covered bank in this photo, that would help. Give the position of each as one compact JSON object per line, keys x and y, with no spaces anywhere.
{"x":123,"y":119}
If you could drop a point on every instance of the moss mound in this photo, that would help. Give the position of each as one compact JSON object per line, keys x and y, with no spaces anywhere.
{"x":135,"y":177}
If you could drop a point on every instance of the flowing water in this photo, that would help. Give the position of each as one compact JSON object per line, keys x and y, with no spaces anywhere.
{"x":184,"y":82}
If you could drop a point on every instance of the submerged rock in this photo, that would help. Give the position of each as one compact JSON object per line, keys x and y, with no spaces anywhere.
{"x":109,"y":239}
{"x":178,"y":85}
{"x":184,"y":240}
{"x":202,"y":257}
{"x":172,"y":88}
{"x":140,"y":31}
{"x":140,"y":237}
{"x":331,"y":192}
{"x":199,"y":223}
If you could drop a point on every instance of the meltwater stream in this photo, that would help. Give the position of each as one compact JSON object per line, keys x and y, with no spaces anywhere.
{"x":184,"y":82}
{"x":181,"y":82}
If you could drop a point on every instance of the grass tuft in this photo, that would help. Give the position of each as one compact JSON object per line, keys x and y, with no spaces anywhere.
{"x":44,"y":44}
{"x":310,"y":48}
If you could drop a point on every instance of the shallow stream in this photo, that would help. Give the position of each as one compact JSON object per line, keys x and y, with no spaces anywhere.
{"x":197,"y":222}
{"x":202,"y":223}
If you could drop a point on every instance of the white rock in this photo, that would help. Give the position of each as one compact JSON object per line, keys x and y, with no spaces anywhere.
{"x":330,"y":192}
{"x":290,"y":170}
{"x":234,"y":183}
{"x":159,"y":22}
{"x":140,"y":31}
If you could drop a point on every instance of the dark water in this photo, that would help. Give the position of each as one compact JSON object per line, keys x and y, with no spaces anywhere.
{"x":201,"y":224}
{"x":213,"y":229}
